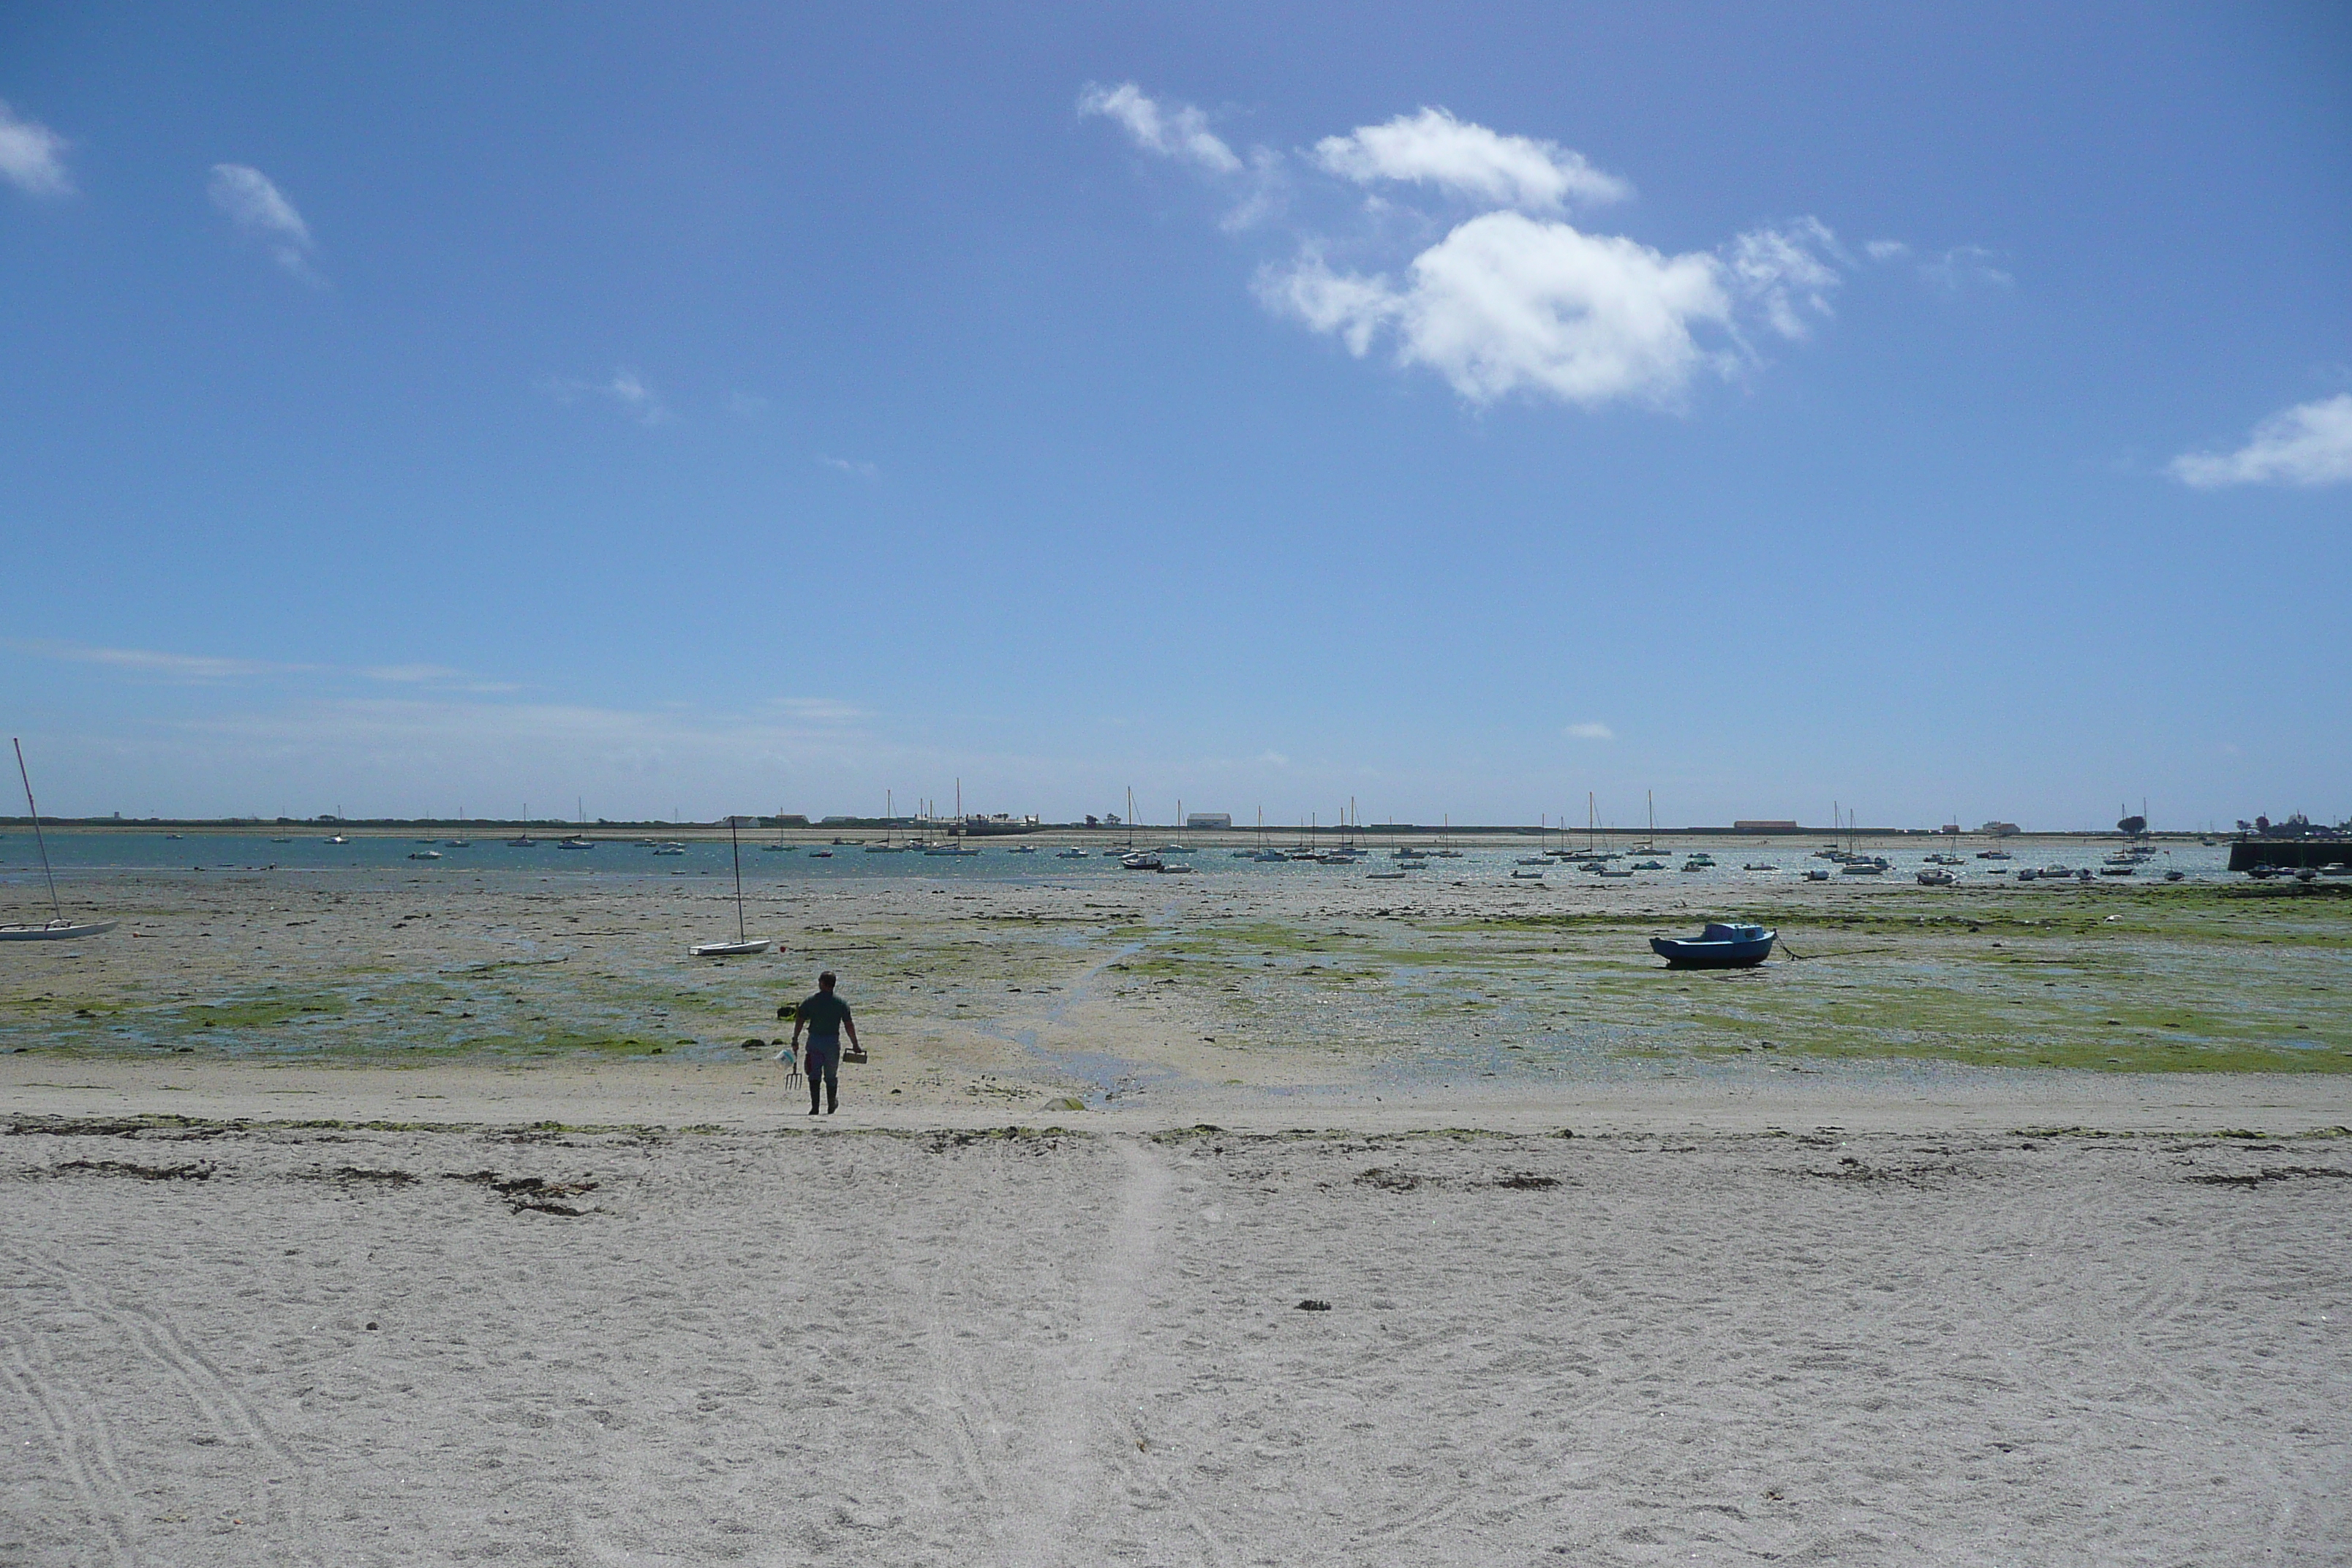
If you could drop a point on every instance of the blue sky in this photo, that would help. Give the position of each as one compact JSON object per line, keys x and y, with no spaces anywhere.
{"x":1941,"y":411}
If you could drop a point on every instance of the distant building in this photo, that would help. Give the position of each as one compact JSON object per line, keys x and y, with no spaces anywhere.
{"x":1761,"y":826}
{"x":1209,"y":819}
{"x":976,"y":826}
{"x":2000,"y":829}
{"x":1950,"y":827}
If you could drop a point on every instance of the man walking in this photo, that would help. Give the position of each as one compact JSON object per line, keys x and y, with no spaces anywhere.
{"x":824,"y":1016}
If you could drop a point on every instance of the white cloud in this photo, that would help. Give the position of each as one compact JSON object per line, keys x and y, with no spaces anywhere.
{"x":1885,"y":249}
{"x":410,"y":674}
{"x":1175,"y":131}
{"x":1512,"y":299}
{"x":1436,"y":149}
{"x":1506,"y":304}
{"x":1782,"y":269}
{"x":624,"y":389}
{"x":260,"y":209}
{"x":1590,"y":731}
{"x":32,"y":156}
{"x":2309,"y":445}
{"x":851,"y":466}
{"x":1273,"y":759}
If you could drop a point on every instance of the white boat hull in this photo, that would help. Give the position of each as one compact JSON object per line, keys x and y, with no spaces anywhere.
{"x":729,"y":949}
{"x":57,"y":931}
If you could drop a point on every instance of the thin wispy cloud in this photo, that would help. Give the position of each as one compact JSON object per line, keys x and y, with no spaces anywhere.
{"x":1514,"y":300}
{"x":818,"y":710}
{"x":624,"y":389}
{"x":167,"y":666}
{"x":1788,"y":272}
{"x":852,"y":467}
{"x":1965,"y":267}
{"x":1590,"y":731}
{"x":211,"y":668}
{"x":260,"y":211}
{"x":32,"y":156}
{"x":1179,"y":132}
{"x":1950,"y":271}
{"x":1173,"y":130}
{"x":1433,"y":148}
{"x":2307,"y":445}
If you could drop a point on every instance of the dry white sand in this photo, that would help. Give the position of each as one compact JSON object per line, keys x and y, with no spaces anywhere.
{"x":283,"y":1345}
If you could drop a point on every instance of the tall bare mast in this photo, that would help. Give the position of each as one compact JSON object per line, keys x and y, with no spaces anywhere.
{"x":55,"y":909}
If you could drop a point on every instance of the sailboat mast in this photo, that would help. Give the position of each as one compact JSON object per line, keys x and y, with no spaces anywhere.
{"x":735,"y":843}
{"x":43,"y":843}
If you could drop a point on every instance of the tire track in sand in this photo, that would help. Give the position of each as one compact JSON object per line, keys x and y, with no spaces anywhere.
{"x":97,"y":1481}
{"x":222,"y":1408}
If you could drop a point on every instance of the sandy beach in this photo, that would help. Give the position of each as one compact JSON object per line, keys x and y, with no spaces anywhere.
{"x":274,"y":1344}
{"x":358,"y":1220}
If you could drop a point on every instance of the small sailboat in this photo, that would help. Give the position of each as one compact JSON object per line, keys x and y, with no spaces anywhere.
{"x":425,"y":855}
{"x":56,"y":927}
{"x":744,"y":945}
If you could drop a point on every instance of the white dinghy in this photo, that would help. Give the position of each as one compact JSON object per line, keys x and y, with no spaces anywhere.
{"x":743,"y":946}
{"x":57,"y":928}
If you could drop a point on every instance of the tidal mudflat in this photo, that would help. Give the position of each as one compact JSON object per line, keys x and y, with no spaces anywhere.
{"x":1105,"y":987}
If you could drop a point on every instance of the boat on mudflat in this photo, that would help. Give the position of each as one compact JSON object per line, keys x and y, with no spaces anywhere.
{"x":57,"y":931}
{"x":1719,"y":946}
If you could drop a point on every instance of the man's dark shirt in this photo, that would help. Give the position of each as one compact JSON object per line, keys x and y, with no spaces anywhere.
{"x":823,"y":1014}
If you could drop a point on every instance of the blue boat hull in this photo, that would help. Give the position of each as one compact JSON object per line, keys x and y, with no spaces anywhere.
{"x":1744,"y":953}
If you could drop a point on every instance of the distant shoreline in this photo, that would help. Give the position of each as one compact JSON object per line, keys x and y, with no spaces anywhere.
{"x":860,"y":832}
